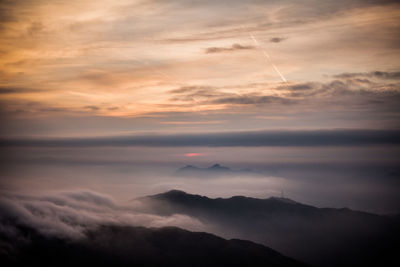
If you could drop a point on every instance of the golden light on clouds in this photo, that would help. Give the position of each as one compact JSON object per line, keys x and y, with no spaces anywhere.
{"x":131,"y":58}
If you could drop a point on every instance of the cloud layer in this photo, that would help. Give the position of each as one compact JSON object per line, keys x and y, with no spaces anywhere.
{"x":228,"y":139}
{"x":234,"y":47}
{"x":70,"y":214}
{"x":126,"y":59}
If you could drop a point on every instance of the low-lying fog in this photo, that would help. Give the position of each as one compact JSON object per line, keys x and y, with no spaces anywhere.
{"x":362,"y":178}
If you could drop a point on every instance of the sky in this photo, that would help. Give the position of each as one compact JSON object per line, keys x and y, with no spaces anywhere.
{"x":296,"y":89}
{"x":127,"y":66}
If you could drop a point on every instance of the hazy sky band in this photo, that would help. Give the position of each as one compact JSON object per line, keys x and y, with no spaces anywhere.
{"x":228,"y":139}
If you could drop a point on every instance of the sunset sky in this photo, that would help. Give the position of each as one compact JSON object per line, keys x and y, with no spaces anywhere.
{"x":72,"y":68}
{"x":300,"y":89}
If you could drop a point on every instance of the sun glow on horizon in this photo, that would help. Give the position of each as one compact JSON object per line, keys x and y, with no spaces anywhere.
{"x":194,"y":154}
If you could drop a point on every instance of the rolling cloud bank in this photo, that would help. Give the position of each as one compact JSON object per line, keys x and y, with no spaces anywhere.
{"x":87,"y":227}
{"x":84,"y":227}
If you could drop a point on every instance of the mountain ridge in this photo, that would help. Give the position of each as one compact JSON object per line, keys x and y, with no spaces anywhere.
{"x":334,"y":237}
{"x":215,"y":169}
{"x":117,"y":245}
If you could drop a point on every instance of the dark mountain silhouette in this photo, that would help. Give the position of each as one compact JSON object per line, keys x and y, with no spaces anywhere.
{"x":216,"y":169}
{"x":320,"y":236}
{"x":114,"y":245}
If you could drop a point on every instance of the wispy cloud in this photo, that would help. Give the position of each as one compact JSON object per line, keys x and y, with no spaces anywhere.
{"x":250,"y":99}
{"x":129,"y":59}
{"x":234,"y":47}
{"x":394,"y":75}
{"x":277,"y":39}
{"x":19,"y":90}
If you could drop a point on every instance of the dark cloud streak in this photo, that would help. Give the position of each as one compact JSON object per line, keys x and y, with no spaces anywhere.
{"x":252,"y":100}
{"x":234,"y":139}
{"x":234,"y":47}
{"x":373,"y":74}
{"x":277,"y":39}
{"x":19,"y":90}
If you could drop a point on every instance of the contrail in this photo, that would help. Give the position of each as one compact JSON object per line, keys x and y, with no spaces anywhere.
{"x":265,"y":53}
{"x":273,"y":65}
{"x":254,"y":39}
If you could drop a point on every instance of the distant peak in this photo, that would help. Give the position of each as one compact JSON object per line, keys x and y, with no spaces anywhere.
{"x":189,"y":167}
{"x":218,"y":167}
{"x":174,"y":192}
{"x":215,"y":169}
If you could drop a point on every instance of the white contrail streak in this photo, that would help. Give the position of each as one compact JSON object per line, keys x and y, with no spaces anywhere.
{"x":265,"y":53}
{"x":254,"y":39}
{"x":275,"y":68}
